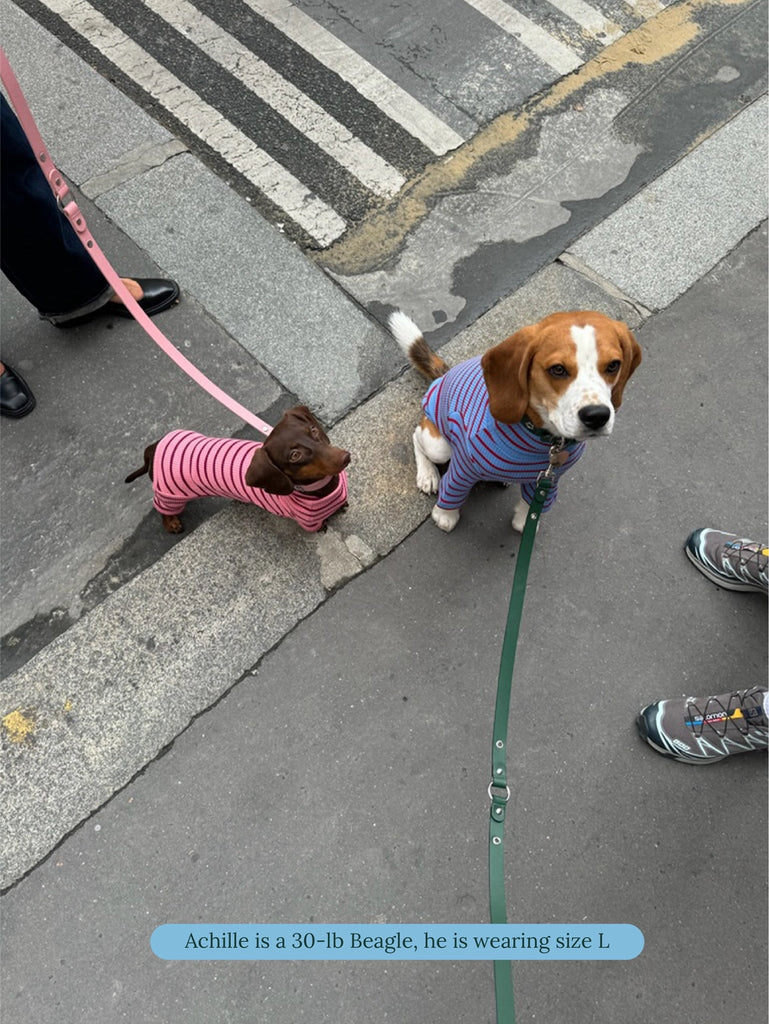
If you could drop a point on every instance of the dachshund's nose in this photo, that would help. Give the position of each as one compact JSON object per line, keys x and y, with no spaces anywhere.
{"x":344,"y":457}
{"x":594,"y":416}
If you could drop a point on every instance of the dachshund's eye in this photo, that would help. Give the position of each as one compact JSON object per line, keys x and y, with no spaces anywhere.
{"x":613,"y":366}
{"x":295,"y":455}
{"x":559,"y":370}
{"x":314,"y":432}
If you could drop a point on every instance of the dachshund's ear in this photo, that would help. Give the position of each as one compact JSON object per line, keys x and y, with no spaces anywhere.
{"x":265,"y":474}
{"x":506,"y":372}
{"x":631,"y":360}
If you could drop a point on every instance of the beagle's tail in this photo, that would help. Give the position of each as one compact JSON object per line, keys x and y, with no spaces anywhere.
{"x":414,"y":347}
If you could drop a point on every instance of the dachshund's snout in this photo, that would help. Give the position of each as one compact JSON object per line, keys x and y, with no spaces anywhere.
{"x":344,"y":459}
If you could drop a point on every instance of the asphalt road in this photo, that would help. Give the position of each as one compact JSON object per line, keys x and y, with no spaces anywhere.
{"x":318,"y":112}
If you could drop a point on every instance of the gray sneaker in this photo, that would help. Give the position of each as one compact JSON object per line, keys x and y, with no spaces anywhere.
{"x":732,"y":562}
{"x":700,"y":730}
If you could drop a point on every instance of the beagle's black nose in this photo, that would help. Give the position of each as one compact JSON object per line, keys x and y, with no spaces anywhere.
{"x":594,"y":416}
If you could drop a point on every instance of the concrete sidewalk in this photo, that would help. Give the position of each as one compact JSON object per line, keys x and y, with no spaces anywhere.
{"x":322,"y":704}
{"x":343,"y":778}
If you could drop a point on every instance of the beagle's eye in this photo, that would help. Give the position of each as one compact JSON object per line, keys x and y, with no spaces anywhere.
{"x":613,"y":366}
{"x":559,"y":370}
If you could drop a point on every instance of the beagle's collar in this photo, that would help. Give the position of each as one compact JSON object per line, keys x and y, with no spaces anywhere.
{"x":545,"y":435}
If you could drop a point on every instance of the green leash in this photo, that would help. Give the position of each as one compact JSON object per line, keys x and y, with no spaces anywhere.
{"x":499,"y":789}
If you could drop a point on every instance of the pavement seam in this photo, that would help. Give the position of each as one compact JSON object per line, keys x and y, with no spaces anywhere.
{"x":131,"y":165}
{"x":579,"y":266}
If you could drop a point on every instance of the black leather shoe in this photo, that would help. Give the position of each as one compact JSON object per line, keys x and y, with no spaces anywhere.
{"x":16,"y":399}
{"x":157,"y":296}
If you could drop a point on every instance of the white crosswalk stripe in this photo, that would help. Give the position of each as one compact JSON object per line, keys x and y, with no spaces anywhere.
{"x":549,"y":49}
{"x":318,"y":219}
{"x":301,"y":111}
{"x":647,"y":7}
{"x":395,"y":102}
{"x":336,"y":134}
{"x":589,"y":18}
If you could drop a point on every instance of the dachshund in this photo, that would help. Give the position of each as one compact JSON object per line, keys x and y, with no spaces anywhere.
{"x":296,"y":473}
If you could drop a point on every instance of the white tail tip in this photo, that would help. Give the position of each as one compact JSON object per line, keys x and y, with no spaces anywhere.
{"x":404,"y":330}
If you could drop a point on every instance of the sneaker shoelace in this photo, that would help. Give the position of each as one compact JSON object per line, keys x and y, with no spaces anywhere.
{"x":743,"y":556}
{"x":738,"y":712}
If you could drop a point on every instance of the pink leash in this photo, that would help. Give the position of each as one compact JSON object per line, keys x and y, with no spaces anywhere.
{"x":70,"y":208}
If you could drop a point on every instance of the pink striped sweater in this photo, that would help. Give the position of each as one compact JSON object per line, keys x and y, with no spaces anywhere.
{"x":189,"y":465}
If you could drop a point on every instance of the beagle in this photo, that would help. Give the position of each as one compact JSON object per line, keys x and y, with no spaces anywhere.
{"x":495,"y":417}
{"x":297,"y":473}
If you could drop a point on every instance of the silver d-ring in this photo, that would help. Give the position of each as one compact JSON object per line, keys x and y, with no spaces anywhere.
{"x":496,"y":785}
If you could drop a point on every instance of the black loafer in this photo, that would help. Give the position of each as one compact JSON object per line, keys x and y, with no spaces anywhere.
{"x":16,"y":399}
{"x":157,"y":296}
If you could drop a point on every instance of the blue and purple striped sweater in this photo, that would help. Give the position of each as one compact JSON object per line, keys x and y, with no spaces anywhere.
{"x":481,"y":447}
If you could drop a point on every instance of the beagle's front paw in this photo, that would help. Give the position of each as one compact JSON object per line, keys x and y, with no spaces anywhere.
{"x":445,"y":518}
{"x":520,"y":512}
{"x":428,"y":477}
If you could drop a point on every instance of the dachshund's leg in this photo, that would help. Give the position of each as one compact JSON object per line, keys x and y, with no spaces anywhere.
{"x":172,"y":524}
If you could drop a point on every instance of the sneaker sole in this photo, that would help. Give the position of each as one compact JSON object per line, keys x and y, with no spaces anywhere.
{"x":715,"y":577}
{"x":681,"y":758}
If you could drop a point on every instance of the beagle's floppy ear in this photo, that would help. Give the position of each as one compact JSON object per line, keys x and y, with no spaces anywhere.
{"x":631,"y":360}
{"x":506,"y":371}
{"x":265,"y":474}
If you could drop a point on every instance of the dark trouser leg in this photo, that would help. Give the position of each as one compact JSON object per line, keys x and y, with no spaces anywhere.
{"x":40,"y":253}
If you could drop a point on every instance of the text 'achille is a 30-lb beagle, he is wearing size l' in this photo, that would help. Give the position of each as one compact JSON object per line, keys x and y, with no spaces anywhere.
{"x":495,"y":417}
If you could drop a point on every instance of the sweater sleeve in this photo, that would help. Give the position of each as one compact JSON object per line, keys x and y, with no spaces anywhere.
{"x":457,"y":481}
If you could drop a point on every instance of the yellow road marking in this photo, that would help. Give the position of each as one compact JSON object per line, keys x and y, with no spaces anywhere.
{"x":375,"y":240}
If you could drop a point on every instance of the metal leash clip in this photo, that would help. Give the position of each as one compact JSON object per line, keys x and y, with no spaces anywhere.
{"x":556,"y":448}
